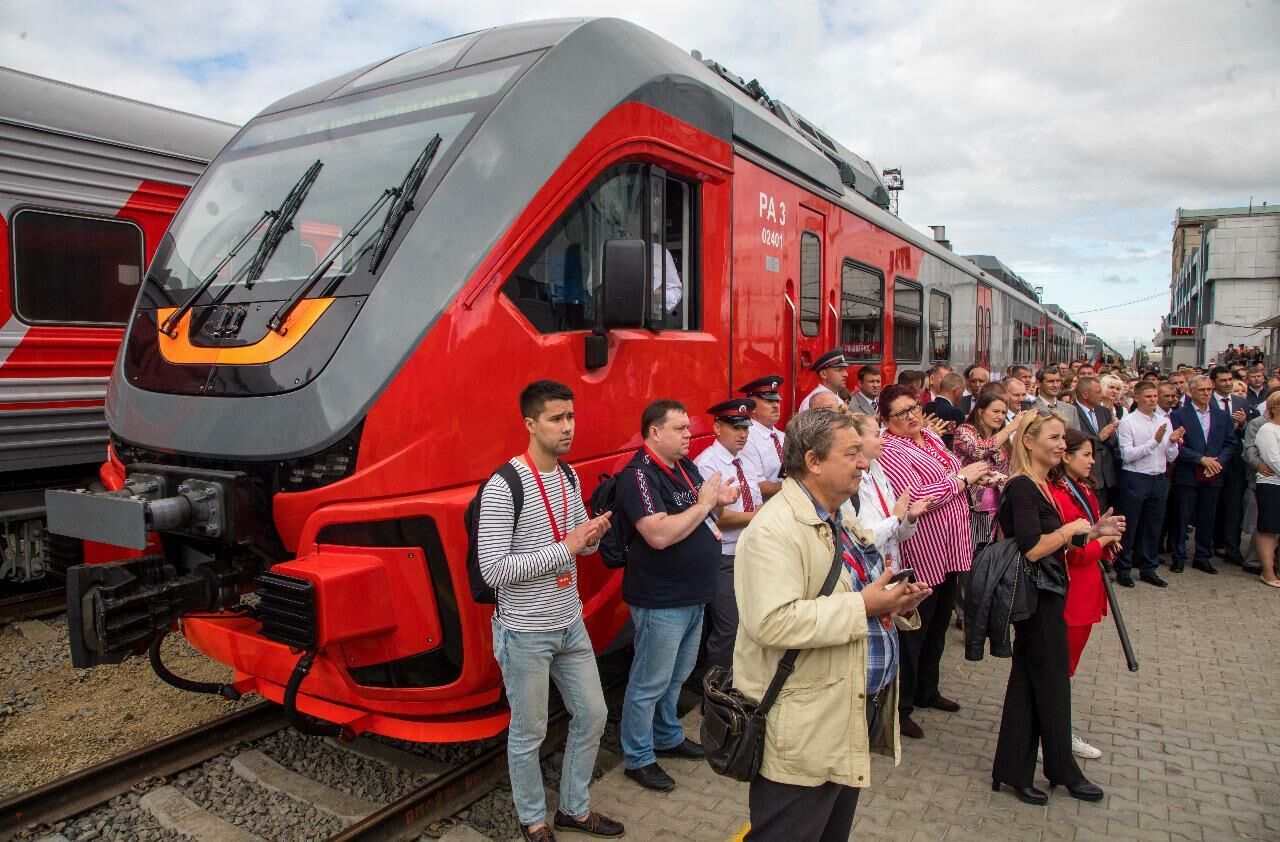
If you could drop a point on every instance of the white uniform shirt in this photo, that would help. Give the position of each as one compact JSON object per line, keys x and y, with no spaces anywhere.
{"x":759,"y":452}
{"x":1268,"y":441}
{"x":1138,"y":447}
{"x":804,"y":404}
{"x":878,"y":517}
{"x":718,"y":458}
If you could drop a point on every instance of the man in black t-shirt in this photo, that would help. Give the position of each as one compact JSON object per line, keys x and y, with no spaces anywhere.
{"x":667,"y":512}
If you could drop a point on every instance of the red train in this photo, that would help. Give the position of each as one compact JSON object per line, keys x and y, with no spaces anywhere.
{"x":325,"y":357}
{"x":88,"y":184}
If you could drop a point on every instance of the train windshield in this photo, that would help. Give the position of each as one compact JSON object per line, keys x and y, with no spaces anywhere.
{"x":365,"y":144}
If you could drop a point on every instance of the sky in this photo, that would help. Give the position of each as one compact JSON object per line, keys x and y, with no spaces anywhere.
{"x":1061,"y":139}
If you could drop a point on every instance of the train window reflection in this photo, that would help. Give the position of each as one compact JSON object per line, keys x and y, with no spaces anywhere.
{"x":75,"y":269}
{"x":940,"y":326}
{"x":555,"y":286}
{"x":908,"y":300}
{"x":810,"y":283}
{"x":861,"y":312}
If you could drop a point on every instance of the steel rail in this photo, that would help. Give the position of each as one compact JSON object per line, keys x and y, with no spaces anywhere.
{"x":87,"y":788}
{"x":31,"y":605}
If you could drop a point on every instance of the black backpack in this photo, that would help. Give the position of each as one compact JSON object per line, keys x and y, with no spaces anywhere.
{"x":481,"y":591}
{"x":613,"y":547}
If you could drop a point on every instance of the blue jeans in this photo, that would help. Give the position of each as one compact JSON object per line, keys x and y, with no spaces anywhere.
{"x":527,"y":660}
{"x":666,"y":645}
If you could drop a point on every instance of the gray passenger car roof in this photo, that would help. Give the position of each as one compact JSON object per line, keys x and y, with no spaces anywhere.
{"x":589,"y":68}
{"x":59,"y":107}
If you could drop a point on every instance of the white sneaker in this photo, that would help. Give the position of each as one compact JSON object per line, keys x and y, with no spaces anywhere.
{"x":1082,"y":749}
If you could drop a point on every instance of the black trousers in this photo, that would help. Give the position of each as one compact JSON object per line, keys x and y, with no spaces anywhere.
{"x":1230,"y":520}
{"x":788,"y":813}
{"x":722,"y":619}
{"x":1198,"y":507}
{"x":1037,"y":702}
{"x":1143,"y":511}
{"x":919,"y":670}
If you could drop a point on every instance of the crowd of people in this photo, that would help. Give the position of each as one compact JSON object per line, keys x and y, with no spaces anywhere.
{"x":1093,"y":471}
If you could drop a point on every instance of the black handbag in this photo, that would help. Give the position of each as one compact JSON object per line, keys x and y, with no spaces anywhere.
{"x":732,"y":732}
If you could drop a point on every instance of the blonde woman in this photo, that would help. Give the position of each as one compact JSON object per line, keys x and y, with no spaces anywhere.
{"x":1113,"y":395}
{"x":1037,"y":702}
{"x":890,"y":519}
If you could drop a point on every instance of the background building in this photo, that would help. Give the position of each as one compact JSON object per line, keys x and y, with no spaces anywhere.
{"x":1225,"y":283}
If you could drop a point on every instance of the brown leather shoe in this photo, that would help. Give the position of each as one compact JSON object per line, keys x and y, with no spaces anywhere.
{"x":595,"y":824}
{"x":908,"y":728}
{"x":943,"y":703}
{"x":542,"y":834}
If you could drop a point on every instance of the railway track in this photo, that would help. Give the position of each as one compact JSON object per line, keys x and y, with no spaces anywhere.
{"x":28,"y":606}
{"x":165,"y":776}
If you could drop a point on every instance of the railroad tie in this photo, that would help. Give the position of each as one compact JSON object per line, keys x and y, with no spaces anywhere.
{"x":256,"y":767}
{"x":396,"y":758}
{"x":174,"y":811}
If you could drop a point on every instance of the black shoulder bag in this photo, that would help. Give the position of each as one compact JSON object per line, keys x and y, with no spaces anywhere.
{"x":732,"y":732}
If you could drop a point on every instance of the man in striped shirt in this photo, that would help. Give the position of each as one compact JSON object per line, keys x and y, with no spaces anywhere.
{"x":528,"y":557}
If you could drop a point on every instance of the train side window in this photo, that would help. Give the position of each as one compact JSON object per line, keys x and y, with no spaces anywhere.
{"x":908,"y":301}
{"x":70,"y":269}
{"x":939,"y":326}
{"x":555,"y":287}
{"x":861,"y":312}
{"x":810,"y":283}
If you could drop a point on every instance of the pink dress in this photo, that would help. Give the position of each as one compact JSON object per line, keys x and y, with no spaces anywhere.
{"x":941,"y":543}
{"x":971,"y":447}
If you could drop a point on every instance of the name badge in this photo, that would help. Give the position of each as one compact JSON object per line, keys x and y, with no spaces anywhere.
{"x":711,"y":524}
{"x":565,"y":579}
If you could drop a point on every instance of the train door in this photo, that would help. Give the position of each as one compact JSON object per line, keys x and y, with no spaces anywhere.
{"x":815,"y":313}
{"x":982,"y":342}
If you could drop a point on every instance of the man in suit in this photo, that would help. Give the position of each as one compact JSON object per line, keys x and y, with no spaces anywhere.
{"x":1097,"y":422}
{"x":1230,"y":520}
{"x":975,"y":377}
{"x":1255,"y":380}
{"x":1049,"y":388}
{"x":866,"y":398}
{"x":933,"y":377}
{"x":1207,"y":449}
{"x":944,"y":404}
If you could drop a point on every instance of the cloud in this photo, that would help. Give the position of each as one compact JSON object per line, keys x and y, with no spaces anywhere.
{"x":1060,"y":138}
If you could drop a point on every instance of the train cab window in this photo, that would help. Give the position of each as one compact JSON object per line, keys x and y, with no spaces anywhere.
{"x":810,"y":283}
{"x":556,"y":286}
{"x":75,"y":269}
{"x":908,"y":301}
{"x":939,"y":326}
{"x":861,"y":312}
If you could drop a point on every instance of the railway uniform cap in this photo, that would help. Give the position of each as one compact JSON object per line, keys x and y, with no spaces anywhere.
{"x":766,"y":388}
{"x":736,"y":412}
{"x":831,"y":359}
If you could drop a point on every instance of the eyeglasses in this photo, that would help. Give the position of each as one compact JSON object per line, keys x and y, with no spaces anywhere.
{"x":904,"y":414}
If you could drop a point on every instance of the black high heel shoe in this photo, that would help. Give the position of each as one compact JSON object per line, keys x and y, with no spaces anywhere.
{"x":1027,"y":794}
{"x":1083,"y":790}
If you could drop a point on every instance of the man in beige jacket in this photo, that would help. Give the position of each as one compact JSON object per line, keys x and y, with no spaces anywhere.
{"x":817,"y":741}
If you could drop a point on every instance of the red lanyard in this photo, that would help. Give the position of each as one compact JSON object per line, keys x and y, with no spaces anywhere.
{"x":546,"y":501}
{"x":662,"y":465}
{"x":884,"y":507}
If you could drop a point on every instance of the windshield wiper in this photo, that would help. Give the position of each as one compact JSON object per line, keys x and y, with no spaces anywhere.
{"x":289,"y":206}
{"x":404,"y":201}
{"x":170,"y":326}
{"x":282,"y":224}
{"x":401,"y":203}
{"x":278,"y":318}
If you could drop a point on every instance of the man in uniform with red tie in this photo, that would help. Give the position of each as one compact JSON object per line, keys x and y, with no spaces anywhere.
{"x":732,"y":422}
{"x":763,"y":450}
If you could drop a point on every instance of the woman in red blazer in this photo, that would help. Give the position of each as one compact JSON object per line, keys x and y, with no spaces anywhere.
{"x":1086,"y":593}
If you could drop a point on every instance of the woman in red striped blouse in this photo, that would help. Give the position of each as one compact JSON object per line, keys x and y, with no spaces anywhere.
{"x":915,"y":460}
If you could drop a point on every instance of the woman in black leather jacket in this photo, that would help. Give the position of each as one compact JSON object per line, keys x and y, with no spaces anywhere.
{"x":1037,"y":703}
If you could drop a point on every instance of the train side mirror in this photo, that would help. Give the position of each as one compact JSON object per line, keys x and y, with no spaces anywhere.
{"x":623,"y":283}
